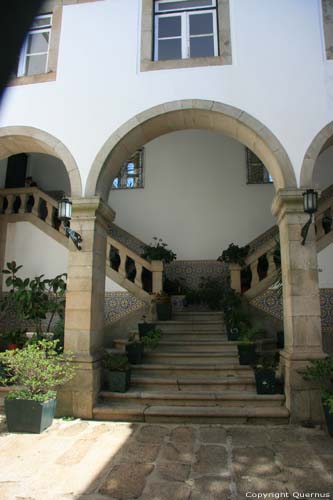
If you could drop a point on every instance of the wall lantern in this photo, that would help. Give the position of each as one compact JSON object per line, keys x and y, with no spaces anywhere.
{"x":65,"y":215}
{"x":310,"y":203}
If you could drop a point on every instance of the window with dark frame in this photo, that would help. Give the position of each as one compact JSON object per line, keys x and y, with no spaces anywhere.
{"x":256,"y":170}
{"x":185,"y":29}
{"x":34,"y":54}
{"x":131,"y":173}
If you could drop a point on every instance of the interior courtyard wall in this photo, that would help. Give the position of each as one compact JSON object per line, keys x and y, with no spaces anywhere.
{"x":195,"y":196}
{"x":116,"y":90}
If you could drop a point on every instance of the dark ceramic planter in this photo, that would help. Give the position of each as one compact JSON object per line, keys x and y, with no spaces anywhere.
{"x":329,"y":420}
{"x":26,"y":415}
{"x":247,"y":354}
{"x":265,"y":381}
{"x":117,"y":381}
{"x":280,"y":339}
{"x":135,"y":352}
{"x":164,"y":312}
{"x":145,"y":328}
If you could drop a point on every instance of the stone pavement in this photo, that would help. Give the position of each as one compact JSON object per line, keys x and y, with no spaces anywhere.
{"x":81,"y":460}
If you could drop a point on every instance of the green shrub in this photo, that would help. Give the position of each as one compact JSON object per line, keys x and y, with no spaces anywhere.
{"x":321,"y":371}
{"x":115,"y":362}
{"x":152,"y":339}
{"x":38,"y":368}
{"x":158,"y":251}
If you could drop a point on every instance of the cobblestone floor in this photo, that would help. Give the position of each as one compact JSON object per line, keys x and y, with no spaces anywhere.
{"x":79,"y":460}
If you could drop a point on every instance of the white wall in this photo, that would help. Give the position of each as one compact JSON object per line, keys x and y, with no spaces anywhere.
{"x":323,"y":172}
{"x":39,"y":254}
{"x":279,"y":75}
{"x":195,"y":196}
{"x":325,"y":261}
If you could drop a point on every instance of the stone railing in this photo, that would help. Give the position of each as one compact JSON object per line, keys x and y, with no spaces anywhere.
{"x":260,"y":270}
{"x":129,"y":267}
{"x":21,"y":201}
{"x":123,"y":264}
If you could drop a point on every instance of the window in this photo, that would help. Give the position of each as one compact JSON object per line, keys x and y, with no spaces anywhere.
{"x":131,"y":173}
{"x":256,"y":170}
{"x":185,"y":29}
{"x":35,"y":50}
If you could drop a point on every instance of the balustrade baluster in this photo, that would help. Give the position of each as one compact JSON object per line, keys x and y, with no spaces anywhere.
{"x":122,"y":265}
{"x":10,"y":201}
{"x":138,"y":276}
{"x":271,"y":263}
{"x":24,"y":199}
{"x":49,"y":217}
{"x":255,"y":275}
{"x":35,"y":208}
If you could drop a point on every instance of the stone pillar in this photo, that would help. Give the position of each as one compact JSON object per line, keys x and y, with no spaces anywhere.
{"x":84,"y":320}
{"x":301,"y":306}
{"x":235,"y":277}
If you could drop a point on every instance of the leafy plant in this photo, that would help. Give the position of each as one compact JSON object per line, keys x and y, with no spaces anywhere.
{"x":321,"y":371}
{"x":133,"y":338}
{"x":162,"y":298}
{"x":158,"y":251}
{"x":211,"y":292}
{"x":152,"y":339}
{"x":235,"y":254}
{"x":59,"y":334}
{"x":174,"y":287}
{"x":38,"y":368}
{"x":115,"y":362}
{"x":248,"y":335}
{"x":33,"y":299}
{"x":266,"y":362}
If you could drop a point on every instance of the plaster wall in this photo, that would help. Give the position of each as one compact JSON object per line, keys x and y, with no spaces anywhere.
{"x":325,"y":261}
{"x":323,"y":172}
{"x":39,"y":254}
{"x":195,"y":196}
{"x":279,"y":75}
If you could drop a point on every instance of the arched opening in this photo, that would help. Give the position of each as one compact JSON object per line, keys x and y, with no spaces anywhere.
{"x":29,"y":140}
{"x":317,"y":172}
{"x":188,"y":114}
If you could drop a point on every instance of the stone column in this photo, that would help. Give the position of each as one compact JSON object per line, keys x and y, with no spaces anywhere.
{"x":235,"y":277}
{"x":84,"y":320}
{"x":301,"y":305}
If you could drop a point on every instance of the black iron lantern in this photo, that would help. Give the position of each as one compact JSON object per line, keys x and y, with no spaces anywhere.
{"x":65,"y":215}
{"x":64,"y":209}
{"x":310,"y":203}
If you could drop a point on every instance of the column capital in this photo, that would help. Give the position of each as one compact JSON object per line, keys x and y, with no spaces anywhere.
{"x":287,"y":201}
{"x":92,"y":208}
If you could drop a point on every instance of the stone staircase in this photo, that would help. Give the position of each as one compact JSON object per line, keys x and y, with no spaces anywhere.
{"x":193,"y":376}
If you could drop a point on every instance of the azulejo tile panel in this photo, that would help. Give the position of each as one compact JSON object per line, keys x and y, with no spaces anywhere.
{"x":189,"y":272}
{"x":270,"y":303}
{"x":118,"y":305}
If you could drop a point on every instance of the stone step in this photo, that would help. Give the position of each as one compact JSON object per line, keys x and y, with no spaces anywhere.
{"x":198,"y":316}
{"x":190,"y":326}
{"x":182,"y":383}
{"x":189,"y":336}
{"x":192,"y":414}
{"x":189,"y":346}
{"x":182,"y":398}
{"x":212,"y":370}
{"x":198,"y":358}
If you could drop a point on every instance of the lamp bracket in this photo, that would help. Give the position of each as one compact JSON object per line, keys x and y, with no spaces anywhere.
{"x":305,"y":229}
{"x":73,"y":235}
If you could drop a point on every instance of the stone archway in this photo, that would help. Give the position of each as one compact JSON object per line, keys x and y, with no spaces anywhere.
{"x":322,"y":141}
{"x":14,"y":140}
{"x":188,"y":114}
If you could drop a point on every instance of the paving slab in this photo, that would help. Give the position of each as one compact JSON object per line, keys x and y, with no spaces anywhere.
{"x":83,"y":460}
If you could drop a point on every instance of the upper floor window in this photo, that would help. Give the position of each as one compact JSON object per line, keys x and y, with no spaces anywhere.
{"x":185,"y":29}
{"x":256,"y":170}
{"x":35,"y":51}
{"x":131,"y":173}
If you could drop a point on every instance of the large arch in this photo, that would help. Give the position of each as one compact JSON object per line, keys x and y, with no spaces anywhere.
{"x":187,"y":114}
{"x":14,"y":140}
{"x":322,"y":141}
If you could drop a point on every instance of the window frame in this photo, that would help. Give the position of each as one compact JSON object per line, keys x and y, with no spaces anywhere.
{"x":185,"y":31}
{"x":139,"y":157}
{"x":223,"y":39}
{"x":266,"y":176}
{"x":22,"y":66}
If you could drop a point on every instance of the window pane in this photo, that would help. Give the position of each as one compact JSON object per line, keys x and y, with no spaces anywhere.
{"x":201,"y":24}
{"x":202,"y":46}
{"x":169,"y":26}
{"x":169,"y":49}
{"x":41,"y":22}
{"x":185,"y":4}
{"x":36,"y":65}
{"x":38,"y":42}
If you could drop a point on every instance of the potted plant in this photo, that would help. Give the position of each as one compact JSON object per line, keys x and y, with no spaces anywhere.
{"x":158,"y":251}
{"x":134,"y":349}
{"x":177,"y":292}
{"x":37,"y":370}
{"x":152,"y":340}
{"x":264,"y":371}
{"x":247,"y":346}
{"x":13,"y":340}
{"x":321,"y":371}
{"x":144,"y":327}
{"x":235,"y":254}
{"x":117,"y":372}
{"x":163,"y":306}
